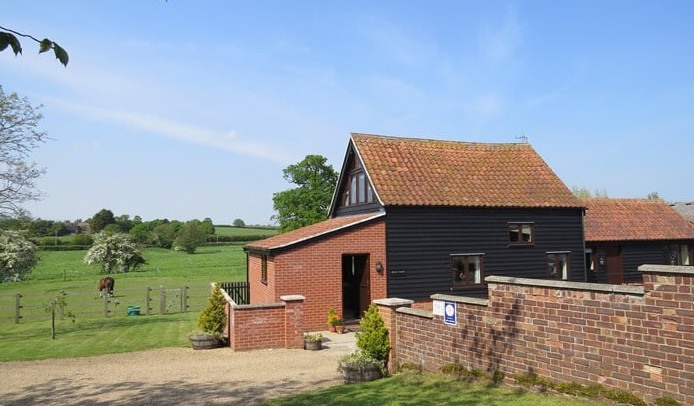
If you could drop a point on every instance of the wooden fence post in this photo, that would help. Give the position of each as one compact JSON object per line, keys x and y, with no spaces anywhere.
{"x":17,"y":306}
{"x":184,"y":299}
{"x":148,"y":300}
{"x":162,"y":300}
{"x":106,"y":305}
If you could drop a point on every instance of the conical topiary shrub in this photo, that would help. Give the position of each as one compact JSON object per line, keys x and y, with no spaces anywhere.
{"x":369,"y":362}
{"x":213,"y":318}
{"x":211,"y":321}
{"x":373,"y":338}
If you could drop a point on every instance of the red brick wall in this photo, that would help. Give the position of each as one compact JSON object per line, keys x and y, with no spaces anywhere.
{"x":261,"y":292}
{"x":314,"y":270}
{"x":625,"y":337}
{"x":277,"y":325}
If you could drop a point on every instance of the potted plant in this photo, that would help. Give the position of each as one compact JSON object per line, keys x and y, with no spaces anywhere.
{"x":211,"y":322}
{"x":360,"y":367}
{"x":369,"y":362}
{"x":337,"y":323}
{"x":332,"y":315}
{"x":313,"y":342}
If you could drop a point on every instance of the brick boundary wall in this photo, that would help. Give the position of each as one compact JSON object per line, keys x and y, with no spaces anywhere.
{"x":634,"y":338}
{"x":270,"y":325}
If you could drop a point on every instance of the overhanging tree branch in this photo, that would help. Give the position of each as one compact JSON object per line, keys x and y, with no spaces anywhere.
{"x":8,"y":37}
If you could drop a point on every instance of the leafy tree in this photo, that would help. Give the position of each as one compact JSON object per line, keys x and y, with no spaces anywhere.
{"x":585,"y":193}
{"x":124,"y":223}
{"x":8,"y":37}
{"x":191,"y":236}
{"x":112,"y":228}
{"x":18,"y":256}
{"x":46,"y":228}
{"x":654,"y":196}
{"x":309,"y":202}
{"x":164,"y":234}
{"x":238,"y":223}
{"x":101,"y":219}
{"x":19,"y":135}
{"x":140,"y":233}
{"x":114,"y":253}
{"x":207,"y":226}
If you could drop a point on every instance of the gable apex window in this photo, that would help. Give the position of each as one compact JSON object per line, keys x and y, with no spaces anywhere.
{"x":521,"y":233}
{"x":467,"y":270}
{"x":357,"y":189}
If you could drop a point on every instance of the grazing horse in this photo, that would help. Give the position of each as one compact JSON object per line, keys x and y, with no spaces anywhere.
{"x":107,"y":284}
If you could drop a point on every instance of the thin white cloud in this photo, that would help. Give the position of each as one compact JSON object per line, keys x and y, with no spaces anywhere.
{"x":484,"y":107}
{"x":167,"y":128}
{"x":499,"y":43}
{"x":392,"y":43}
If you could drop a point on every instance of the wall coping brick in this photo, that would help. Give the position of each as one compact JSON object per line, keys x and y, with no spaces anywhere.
{"x":257,"y":306}
{"x":416,"y":312}
{"x":292,"y":298}
{"x":461,"y":299}
{"x":596,"y":287}
{"x":679,"y":269}
{"x":394,"y":302}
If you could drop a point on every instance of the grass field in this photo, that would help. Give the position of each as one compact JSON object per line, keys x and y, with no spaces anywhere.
{"x":92,"y":332}
{"x":244,"y":231}
{"x":427,"y":389}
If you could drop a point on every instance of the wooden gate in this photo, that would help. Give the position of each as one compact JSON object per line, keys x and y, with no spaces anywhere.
{"x":238,"y":291}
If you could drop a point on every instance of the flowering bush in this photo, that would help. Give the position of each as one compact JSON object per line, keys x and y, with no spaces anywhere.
{"x":18,"y":256}
{"x":114,"y":253}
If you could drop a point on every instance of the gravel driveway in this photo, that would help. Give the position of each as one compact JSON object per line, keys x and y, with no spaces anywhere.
{"x":172,"y":376}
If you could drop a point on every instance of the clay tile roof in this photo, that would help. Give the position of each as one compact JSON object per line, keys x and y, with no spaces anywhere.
{"x":310,"y":232}
{"x":634,"y":219}
{"x":422,"y":172}
{"x":686,"y":209}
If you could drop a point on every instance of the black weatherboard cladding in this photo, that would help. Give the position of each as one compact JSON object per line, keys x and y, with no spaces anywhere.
{"x":420,"y":241}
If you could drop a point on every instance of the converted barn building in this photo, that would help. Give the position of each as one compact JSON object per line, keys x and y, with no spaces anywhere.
{"x":414,"y":217}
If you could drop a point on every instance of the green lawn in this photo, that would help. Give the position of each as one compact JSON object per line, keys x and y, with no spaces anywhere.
{"x":428,"y":389}
{"x":93,"y":333}
{"x":94,"y":336}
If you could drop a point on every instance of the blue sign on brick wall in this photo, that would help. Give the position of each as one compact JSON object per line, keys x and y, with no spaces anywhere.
{"x":449,"y":313}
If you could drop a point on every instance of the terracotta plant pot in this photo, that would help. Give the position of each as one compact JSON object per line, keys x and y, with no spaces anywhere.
{"x":339,"y":329}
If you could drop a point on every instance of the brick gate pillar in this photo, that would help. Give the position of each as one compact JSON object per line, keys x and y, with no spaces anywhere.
{"x":386,"y":308}
{"x":293,"y":321}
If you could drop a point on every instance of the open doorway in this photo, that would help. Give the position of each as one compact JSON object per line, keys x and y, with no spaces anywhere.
{"x":356,"y":286}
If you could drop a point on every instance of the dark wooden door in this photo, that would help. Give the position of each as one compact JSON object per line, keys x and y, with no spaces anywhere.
{"x":613,"y":265}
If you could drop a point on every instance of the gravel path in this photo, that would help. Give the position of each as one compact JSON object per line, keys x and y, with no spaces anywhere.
{"x":172,"y":376}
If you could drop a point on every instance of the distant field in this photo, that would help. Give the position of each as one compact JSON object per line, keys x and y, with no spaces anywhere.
{"x":65,"y":270}
{"x":244,"y":231}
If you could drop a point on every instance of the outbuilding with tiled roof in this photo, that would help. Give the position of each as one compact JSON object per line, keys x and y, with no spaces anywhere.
{"x":622,"y":234}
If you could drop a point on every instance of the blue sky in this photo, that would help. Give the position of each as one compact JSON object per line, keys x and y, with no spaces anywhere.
{"x":191,"y":109}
